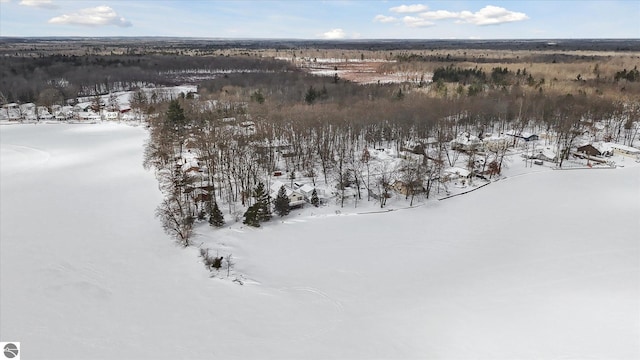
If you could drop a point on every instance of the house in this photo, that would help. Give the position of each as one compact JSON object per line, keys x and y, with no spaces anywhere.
{"x":28,"y":108}
{"x":111,"y":115}
{"x":589,"y":150}
{"x":200,"y":195}
{"x":307,"y":190}
{"x":82,"y":107}
{"x":466,"y":142}
{"x":523,"y":135}
{"x":456,"y":172}
{"x":546,"y":154}
{"x":13,"y":111}
{"x":621,"y":149}
{"x":495,"y":143}
{"x":190,"y":166}
{"x":43,"y":113}
{"x":63,"y":112}
{"x":296,"y":199}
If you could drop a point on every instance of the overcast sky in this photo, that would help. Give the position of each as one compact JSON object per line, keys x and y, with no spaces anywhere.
{"x":323,"y":19}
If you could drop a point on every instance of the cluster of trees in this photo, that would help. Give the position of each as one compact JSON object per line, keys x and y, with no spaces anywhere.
{"x":631,"y":75}
{"x":28,"y":79}
{"x":459,"y":75}
{"x":330,"y":143}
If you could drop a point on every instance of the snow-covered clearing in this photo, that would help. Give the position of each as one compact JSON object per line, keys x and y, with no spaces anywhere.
{"x":545,"y":265}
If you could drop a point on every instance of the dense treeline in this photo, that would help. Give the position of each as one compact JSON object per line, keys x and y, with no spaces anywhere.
{"x":456,"y":74}
{"x":24,"y":79}
{"x":548,"y":58}
{"x":327,"y":140}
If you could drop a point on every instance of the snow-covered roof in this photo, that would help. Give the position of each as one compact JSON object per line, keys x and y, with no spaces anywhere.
{"x":628,"y":149}
{"x":306,"y":188}
{"x":495,"y":138}
{"x":276,"y":185}
{"x":189,"y":165}
{"x":466,"y":138}
{"x":275,"y":188}
{"x":547,"y":152}
{"x":523,"y":134}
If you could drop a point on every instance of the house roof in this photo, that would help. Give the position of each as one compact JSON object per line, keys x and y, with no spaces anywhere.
{"x":275,"y":188}
{"x":626,"y":148}
{"x":306,"y":188}
{"x":548,"y":153}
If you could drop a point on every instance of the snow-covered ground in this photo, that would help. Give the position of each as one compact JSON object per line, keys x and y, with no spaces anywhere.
{"x":544,"y":265}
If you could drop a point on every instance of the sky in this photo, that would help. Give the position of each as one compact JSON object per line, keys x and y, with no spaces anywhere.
{"x":315,"y":19}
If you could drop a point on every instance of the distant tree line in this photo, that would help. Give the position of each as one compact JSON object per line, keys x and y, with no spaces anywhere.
{"x":25,"y":79}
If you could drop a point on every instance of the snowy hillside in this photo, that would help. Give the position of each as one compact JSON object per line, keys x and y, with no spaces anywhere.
{"x":542,"y":265}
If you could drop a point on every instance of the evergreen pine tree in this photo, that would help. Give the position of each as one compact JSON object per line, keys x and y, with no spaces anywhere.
{"x":263,"y":200}
{"x":281,"y":203}
{"x":215,"y":217}
{"x":315,"y":201}
{"x":251,"y":216}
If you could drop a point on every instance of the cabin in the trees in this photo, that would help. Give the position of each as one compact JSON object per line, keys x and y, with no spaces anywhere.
{"x":546,"y":154}
{"x":495,"y":143}
{"x":306,"y":190}
{"x":623,"y":149}
{"x":589,"y":150}
{"x":526,"y":136}
{"x":296,"y":199}
{"x":466,"y":142}
{"x":456,"y":173}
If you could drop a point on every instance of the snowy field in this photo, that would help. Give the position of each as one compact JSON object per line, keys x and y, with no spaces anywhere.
{"x":540,"y":266}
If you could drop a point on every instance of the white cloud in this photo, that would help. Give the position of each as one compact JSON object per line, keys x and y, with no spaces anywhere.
{"x":439,"y":15}
{"x":97,"y":16}
{"x":412,"y":21}
{"x":404,"y":9}
{"x":488,"y":15}
{"x":334,"y":34}
{"x":491,"y":15}
{"x":384,"y":19}
{"x":43,"y":4}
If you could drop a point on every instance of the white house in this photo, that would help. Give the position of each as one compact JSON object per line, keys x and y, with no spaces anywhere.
{"x":111,"y":115}
{"x":618,"y":149}
{"x":13,"y":111}
{"x":295,"y":197}
{"x":546,"y":154}
{"x":43,"y":113}
{"x":306,"y":190}
{"x":466,"y":142}
{"x":495,"y":143}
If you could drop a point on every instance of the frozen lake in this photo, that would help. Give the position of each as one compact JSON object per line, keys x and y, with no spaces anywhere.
{"x":543,"y":265}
